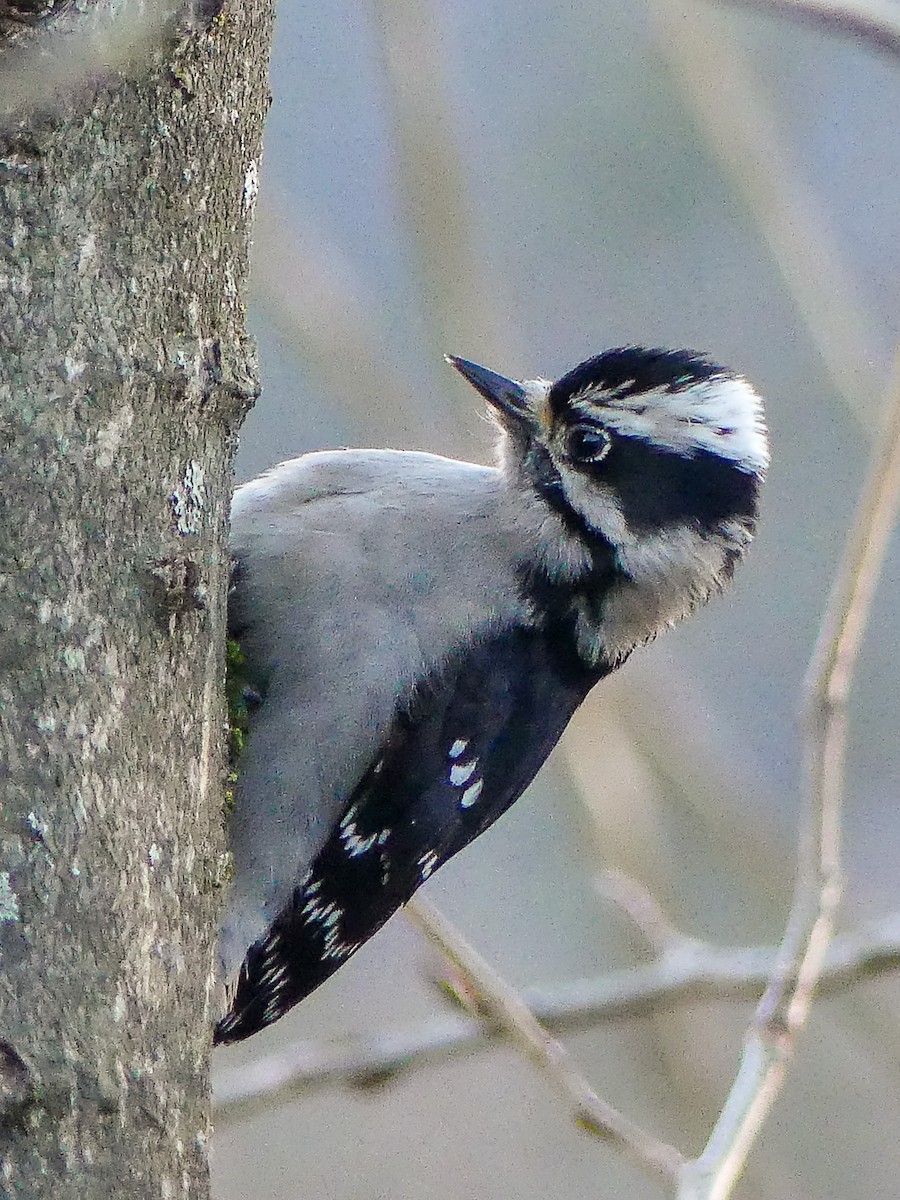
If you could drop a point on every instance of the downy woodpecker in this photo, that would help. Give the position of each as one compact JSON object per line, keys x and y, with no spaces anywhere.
{"x":417,"y":633}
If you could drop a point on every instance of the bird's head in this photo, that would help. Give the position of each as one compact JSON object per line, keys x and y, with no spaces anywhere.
{"x":656,"y":454}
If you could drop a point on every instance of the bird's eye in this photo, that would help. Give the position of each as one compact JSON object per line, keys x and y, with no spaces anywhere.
{"x":588,"y":443}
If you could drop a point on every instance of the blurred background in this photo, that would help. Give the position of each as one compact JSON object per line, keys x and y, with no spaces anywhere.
{"x":526,"y":185}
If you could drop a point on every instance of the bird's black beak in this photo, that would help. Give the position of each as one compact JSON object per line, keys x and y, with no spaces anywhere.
{"x":505,"y":395}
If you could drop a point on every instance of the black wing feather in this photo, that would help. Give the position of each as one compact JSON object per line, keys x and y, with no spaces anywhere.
{"x":467,"y":748}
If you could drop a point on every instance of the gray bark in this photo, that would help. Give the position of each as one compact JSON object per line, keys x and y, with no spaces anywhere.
{"x":124,"y":374}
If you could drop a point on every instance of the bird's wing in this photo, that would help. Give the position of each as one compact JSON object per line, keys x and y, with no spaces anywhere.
{"x":472,"y":742}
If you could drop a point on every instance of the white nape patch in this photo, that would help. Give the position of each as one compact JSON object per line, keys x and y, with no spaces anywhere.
{"x":667,"y":574}
{"x":471,"y":794}
{"x":458,"y":748}
{"x":427,"y":862}
{"x":722,"y":415}
{"x":461,"y":773}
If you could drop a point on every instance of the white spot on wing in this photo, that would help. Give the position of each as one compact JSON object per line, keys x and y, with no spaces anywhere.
{"x":354,"y":844}
{"x":471,"y":794}
{"x":458,"y":747}
{"x":338,"y":949}
{"x":328,"y":916}
{"x":350,"y":816}
{"x":428,"y":862}
{"x":461,"y":773}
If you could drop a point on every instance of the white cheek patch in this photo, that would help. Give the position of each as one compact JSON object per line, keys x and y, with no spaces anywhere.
{"x":596,"y":502}
{"x":665,"y":575}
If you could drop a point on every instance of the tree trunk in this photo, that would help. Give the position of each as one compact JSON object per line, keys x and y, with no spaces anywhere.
{"x":124,"y":374}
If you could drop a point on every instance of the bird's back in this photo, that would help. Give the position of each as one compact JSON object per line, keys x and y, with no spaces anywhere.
{"x":354,"y":571}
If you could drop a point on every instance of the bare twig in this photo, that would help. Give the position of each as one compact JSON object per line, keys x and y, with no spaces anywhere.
{"x":709,"y":973}
{"x":516,"y":1019}
{"x":876,"y":21}
{"x":644,"y":911}
{"x":743,"y":134}
{"x":784,"y":1007}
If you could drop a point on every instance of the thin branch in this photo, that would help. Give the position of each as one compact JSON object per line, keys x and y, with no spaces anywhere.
{"x":707,"y":973}
{"x":644,"y":911}
{"x":875,"y":21}
{"x":784,"y":1007}
{"x":512,"y":1014}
